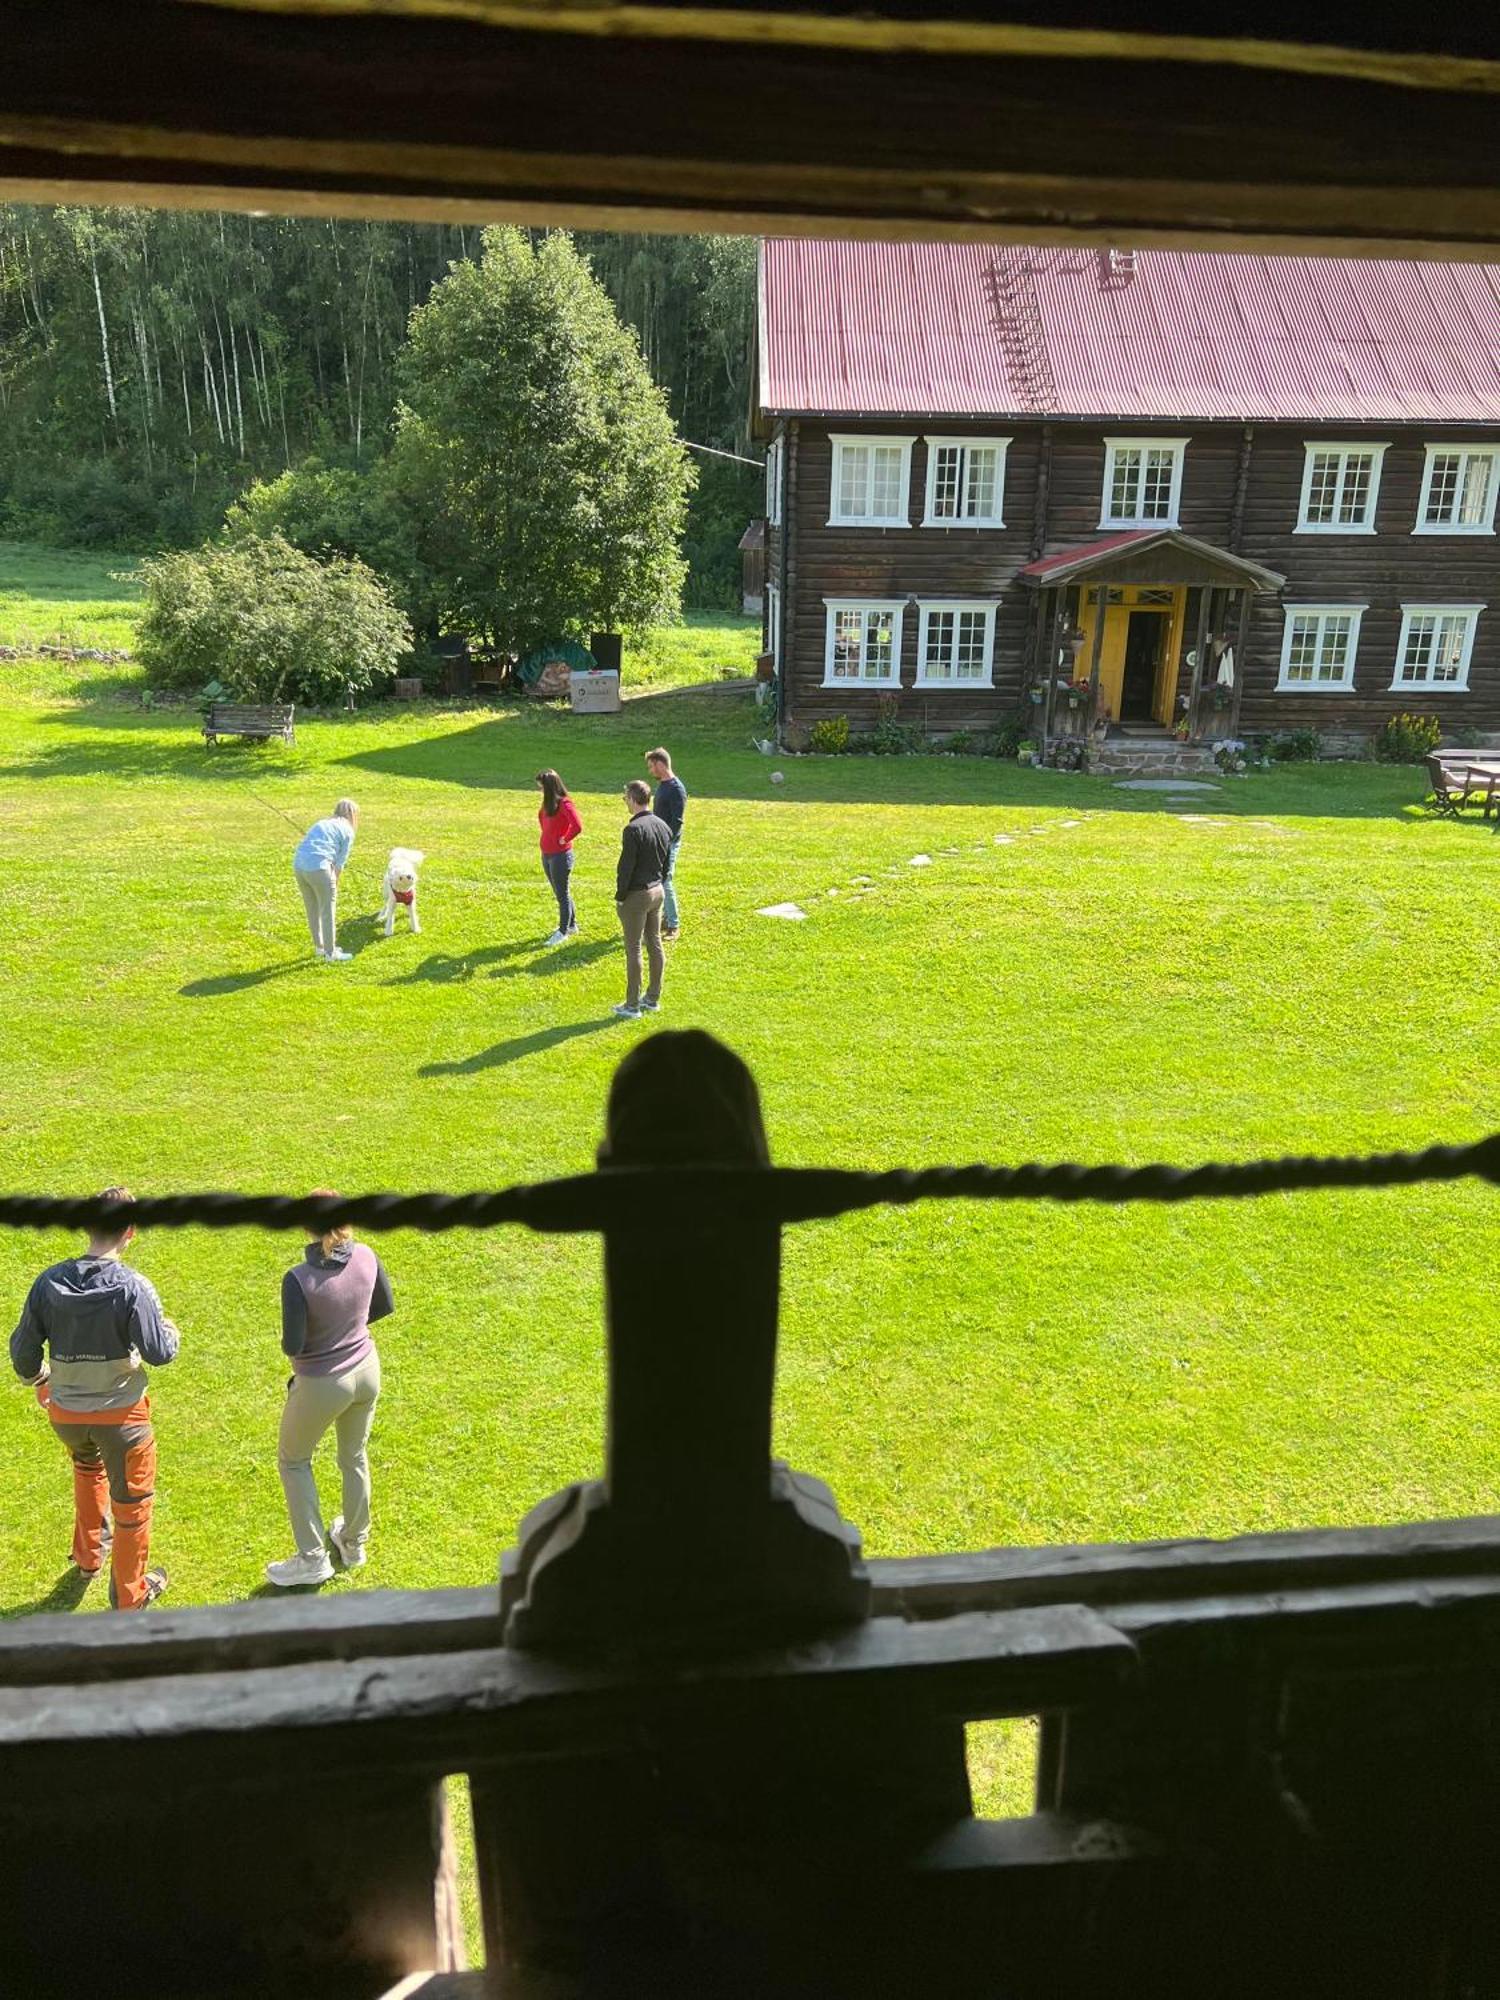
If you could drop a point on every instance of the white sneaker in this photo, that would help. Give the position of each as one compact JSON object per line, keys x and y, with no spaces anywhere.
{"x":300,"y":1570}
{"x":557,"y":937}
{"x":350,"y":1554}
{"x":337,"y":957}
{"x":626,"y":1013}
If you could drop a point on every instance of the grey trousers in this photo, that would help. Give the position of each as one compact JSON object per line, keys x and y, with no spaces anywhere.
{"x":314,"y":1404}
{"x":640,"y":919}
{"x":320,"y":894}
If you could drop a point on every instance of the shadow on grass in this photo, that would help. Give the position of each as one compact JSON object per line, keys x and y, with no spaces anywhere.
{"x":66,"y":1594}
{"x":240,"y":982}
{"x":359,"y":933}
{"x":517,"y":1047}
{"x":712,"y":749}
{"x":453,"y":968}
{"x":712,"y":739}
{"x":505,"y":961}
{"x":561,"y":958}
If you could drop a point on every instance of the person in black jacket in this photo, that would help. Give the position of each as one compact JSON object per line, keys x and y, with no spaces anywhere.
{"x":645,"y":856}
{"x":670,"y":806}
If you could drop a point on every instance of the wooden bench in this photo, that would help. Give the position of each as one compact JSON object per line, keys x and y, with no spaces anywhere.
{"x":249,"y":718}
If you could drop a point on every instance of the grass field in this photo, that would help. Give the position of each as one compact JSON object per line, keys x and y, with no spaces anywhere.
{"x":1301,"y":962}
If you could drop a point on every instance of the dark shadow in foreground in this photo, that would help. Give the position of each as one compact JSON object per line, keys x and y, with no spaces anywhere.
{"x":516,"y":1047}
{"x":66,"y":1594}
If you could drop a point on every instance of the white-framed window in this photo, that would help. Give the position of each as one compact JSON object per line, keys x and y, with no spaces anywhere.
{"x":1142,"y":482}
{"x":1459,"y":483}
{"x":956,"y":644}
{"x":863,"y":647}
{"x":773,"y":624}
{"x":871,"y":482}
{"x":1434,"y":648}
{"x":965,"y":482}
{"x":775,"y":460}
{"x":1318,"y":648}
{"x":1340,"y":484}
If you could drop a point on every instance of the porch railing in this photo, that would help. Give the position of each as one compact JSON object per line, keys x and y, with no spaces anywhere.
{"x":711,"y":1749}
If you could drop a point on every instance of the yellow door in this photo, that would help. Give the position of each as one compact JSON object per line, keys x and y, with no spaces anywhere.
{"x":1168,"y":602}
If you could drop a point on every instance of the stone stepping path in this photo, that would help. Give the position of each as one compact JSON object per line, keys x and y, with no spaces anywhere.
{"x":1165,"y":785}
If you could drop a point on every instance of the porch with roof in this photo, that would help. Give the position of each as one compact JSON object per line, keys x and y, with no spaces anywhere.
{"x":1160,"y":619}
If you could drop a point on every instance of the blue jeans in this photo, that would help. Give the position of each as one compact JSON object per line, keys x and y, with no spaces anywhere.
{"x":558,"y":868}
{"x":669,"y":890}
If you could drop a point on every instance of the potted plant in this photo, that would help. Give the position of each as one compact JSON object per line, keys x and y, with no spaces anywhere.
{"x":1025,"y":751}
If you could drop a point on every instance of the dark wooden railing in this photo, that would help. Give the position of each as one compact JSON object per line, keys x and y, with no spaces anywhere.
{"x":712,"y":1750}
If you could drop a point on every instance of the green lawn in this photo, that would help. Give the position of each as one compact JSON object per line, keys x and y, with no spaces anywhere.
{"x":1300,"y":962}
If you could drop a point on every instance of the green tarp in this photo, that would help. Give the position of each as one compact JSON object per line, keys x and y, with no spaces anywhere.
{"x":574,"y":656}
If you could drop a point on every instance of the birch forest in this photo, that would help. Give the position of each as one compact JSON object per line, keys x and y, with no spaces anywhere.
{"x":153,"y":365}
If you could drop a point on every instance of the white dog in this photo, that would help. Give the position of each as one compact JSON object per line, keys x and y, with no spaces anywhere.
{"x":401,"y":886}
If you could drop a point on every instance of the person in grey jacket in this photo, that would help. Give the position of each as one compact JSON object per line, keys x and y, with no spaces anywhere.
{"x":86,"y":1330}
{"x":328,"y":1304}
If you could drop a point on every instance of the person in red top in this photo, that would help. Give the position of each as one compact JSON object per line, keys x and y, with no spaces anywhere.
{"x":561,"y":826}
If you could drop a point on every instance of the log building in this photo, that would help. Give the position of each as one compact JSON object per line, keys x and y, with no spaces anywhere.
{"x":1151,"y":499}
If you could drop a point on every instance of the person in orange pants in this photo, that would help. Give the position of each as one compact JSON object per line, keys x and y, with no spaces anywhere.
{"x":87,"y":1329}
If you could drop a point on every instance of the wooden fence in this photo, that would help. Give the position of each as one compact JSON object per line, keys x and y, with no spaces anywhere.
{"x":714,"y":1751}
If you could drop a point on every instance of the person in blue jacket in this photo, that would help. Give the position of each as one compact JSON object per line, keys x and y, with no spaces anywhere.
{"x":317,"y":864}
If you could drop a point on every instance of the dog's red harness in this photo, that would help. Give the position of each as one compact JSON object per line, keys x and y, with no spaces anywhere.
{"x":407,"y":896}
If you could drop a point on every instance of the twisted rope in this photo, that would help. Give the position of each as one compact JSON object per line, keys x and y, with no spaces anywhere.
{"x":630,"y":1197}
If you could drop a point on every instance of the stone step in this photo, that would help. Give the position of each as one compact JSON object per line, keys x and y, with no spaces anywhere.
{"x":1150,"y":763}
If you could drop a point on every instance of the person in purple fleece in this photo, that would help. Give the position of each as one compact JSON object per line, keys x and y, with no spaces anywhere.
{"x":328,"y":1304}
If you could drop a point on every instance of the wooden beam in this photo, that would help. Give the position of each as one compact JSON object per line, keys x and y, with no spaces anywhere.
{"x":606,"y":115}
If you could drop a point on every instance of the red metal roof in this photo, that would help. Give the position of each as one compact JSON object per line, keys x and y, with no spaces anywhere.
{"x":1065,"y":558}
{"x":966,"y":329}
{"x":1083,"y":557}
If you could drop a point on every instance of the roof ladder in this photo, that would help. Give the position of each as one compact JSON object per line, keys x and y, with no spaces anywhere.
{"x":1018,"y":313}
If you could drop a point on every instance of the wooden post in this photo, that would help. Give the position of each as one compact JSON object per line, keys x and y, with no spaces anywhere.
{"x":1043,"y":488}
{"x":694,"y":1545}
{"x":786,"y":595}
{"x":1101,"y":612}
{"x":1241,"y":640}
{"x":693,"y":1530}
{"x":1049,"y":689}
{"x":1241,"y":489}
{"x":1195,"y":720}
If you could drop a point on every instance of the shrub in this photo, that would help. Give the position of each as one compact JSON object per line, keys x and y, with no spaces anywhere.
{"x":1008,"y":734}
{"x":1407,"y":739}
{"x":960,"y":743}
{"x":1297,"y":746}
{"x":268,"y":623}
{"x":830,"y":735}
{"x":1468,"y":738}
{"x":890,"y":738}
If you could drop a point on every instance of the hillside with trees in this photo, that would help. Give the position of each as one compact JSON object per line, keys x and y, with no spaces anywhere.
{"x":154,"y":365}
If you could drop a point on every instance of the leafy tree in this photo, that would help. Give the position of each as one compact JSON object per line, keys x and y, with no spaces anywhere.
{"x":268,"y":623}
{"x":534,"y":443}
{"x":155,"y":364}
